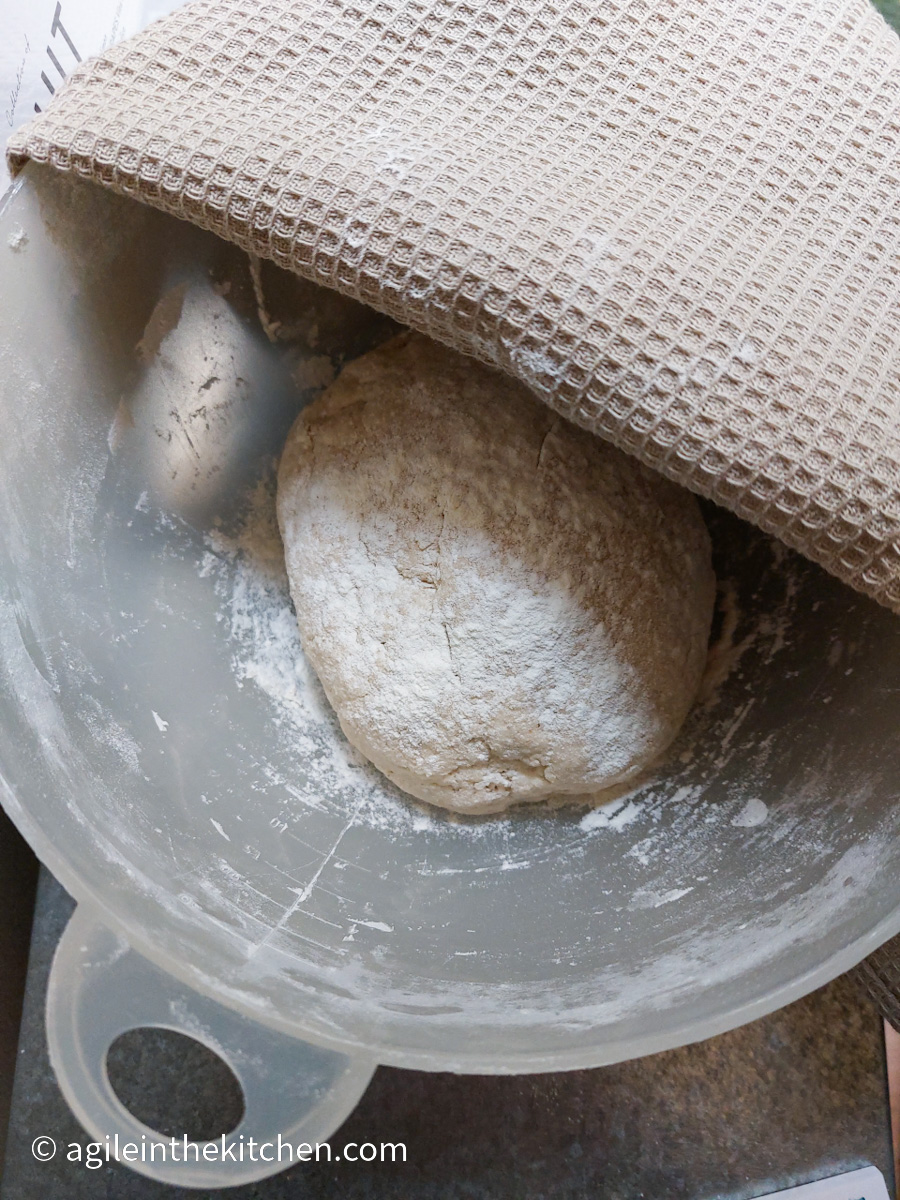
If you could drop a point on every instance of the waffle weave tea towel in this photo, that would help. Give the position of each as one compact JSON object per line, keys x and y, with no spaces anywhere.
{"x":678,"y":221}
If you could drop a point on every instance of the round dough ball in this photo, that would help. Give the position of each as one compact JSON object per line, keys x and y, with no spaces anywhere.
{"x":500,"y":606}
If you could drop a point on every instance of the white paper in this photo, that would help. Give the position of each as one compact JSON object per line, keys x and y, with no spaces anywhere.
{"x":42,"y":40}
{"x":867,"y":1184}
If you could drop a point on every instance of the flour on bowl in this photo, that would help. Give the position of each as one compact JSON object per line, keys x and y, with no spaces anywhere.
{"x":246,"y":564}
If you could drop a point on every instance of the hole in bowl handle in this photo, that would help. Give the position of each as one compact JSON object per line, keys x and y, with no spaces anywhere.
{"x":100,"y":988}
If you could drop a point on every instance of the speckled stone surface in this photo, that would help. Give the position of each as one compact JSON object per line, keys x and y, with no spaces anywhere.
{"x":794,"y":1097}
{"x":18,"y":877}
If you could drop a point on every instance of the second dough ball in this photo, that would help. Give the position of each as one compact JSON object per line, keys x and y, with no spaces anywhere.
{"x":500,"y":606}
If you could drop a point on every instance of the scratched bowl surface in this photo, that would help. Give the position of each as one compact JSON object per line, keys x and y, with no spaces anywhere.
{"x":168,"y":753}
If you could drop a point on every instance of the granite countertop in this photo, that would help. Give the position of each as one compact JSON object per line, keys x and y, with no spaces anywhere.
{"x":797,"y":1096}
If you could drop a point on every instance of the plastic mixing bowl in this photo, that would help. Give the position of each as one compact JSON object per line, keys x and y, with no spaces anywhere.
{"x":240,"y":874}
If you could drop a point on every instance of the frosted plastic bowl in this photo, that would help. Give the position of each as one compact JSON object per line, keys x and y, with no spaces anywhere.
{"x":240,"y":875}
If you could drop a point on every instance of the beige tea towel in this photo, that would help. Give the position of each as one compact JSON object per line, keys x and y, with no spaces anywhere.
{"x":677,"y":220}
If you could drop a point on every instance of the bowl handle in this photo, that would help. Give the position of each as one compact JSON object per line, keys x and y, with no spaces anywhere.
{"x":100,"y":988}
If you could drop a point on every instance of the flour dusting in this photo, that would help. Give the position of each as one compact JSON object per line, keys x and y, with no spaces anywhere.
{"x":616,"y":815}
{"x":753,"y":813}
{"x":17,"y":239}
{"x":653,"y":899}
{"x":247,"y":567}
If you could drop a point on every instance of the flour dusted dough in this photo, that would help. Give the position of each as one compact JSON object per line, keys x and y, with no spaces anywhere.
{"x":500,"y":606}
